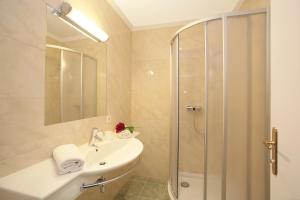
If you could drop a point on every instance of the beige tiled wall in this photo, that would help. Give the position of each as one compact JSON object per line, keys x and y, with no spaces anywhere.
{"x":150,"y":98}
{"x":253,"y":4}
{"x":24,"y":140}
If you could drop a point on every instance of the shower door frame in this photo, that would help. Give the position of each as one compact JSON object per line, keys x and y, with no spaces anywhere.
{"x":205,"y":21}
{"x":176,"y":111}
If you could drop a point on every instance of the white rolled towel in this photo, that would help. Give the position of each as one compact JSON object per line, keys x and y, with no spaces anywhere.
{"x":68,"y":158}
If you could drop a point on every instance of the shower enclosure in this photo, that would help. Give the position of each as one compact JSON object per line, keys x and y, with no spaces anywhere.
{"x":220,"y":109}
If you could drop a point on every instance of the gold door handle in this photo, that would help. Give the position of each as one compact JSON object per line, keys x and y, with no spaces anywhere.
{"x":272,"y":145}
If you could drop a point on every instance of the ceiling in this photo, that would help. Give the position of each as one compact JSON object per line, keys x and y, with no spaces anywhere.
{"x":140,"y":14}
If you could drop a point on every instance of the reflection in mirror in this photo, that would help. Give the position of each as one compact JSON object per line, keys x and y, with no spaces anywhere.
{"x":75,"y":74}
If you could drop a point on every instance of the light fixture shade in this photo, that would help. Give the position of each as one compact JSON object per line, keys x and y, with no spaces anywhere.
{"x":86,"y":24}
{"x":80,"y":22}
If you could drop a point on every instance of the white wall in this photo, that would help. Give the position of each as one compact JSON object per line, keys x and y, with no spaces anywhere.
{"x":285,"y":97}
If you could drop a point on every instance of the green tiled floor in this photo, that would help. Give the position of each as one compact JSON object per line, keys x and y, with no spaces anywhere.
{"x":140,"y":188}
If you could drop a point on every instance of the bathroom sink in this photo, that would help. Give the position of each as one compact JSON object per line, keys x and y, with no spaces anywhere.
{"x":41,"y":181}
{"x":110,"y":155}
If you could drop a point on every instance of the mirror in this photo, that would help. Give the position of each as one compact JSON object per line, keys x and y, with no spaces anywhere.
{"x":75,"y":74}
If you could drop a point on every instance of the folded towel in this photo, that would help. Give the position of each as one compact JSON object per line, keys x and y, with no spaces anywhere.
{"x":68,"y":158}
{"x":125,"y":134}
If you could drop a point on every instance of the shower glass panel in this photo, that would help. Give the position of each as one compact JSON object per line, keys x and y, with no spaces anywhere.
{"x":246,"y":107}
{"x":214,"y":116}
{"x":220,"y":114}
{"x":71,"y":86}
{"x":191,"y":109}
{"x":174,"y":121}
{"x":89,"y":88}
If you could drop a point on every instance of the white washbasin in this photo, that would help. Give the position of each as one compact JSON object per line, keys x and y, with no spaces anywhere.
{"x":41,"y":180}
{"x":114,"y":154}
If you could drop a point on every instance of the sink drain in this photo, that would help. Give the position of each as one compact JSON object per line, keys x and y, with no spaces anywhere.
{"x":102,"y":163}
{"x":185,"y":184}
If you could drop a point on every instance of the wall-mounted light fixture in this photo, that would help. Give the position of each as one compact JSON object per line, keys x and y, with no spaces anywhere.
{"x":80,"y":22}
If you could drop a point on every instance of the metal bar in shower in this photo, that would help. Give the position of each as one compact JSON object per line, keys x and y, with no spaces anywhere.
{"x":249,"y":117}
{"x":174,"y":126}
{"x":177,"y":111}
{"x":228,"y":14}
{"x":205,"y":110}
{"x":224,"y":160}
{"x":249,"y":107}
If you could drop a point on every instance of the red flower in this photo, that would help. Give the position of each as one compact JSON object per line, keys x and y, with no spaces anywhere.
{"x":120,"y":127}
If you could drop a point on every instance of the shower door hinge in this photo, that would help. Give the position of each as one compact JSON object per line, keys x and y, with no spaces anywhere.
{"x":272,"y":145}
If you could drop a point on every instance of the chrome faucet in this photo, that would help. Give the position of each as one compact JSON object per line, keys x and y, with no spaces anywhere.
{"x":94,"y":136}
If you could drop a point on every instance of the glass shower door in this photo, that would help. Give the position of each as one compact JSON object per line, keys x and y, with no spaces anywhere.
{"x":191,"y":109}
{"x":220,"y":112}
{"x":246,"y":107}
{"x":214,"y":116}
